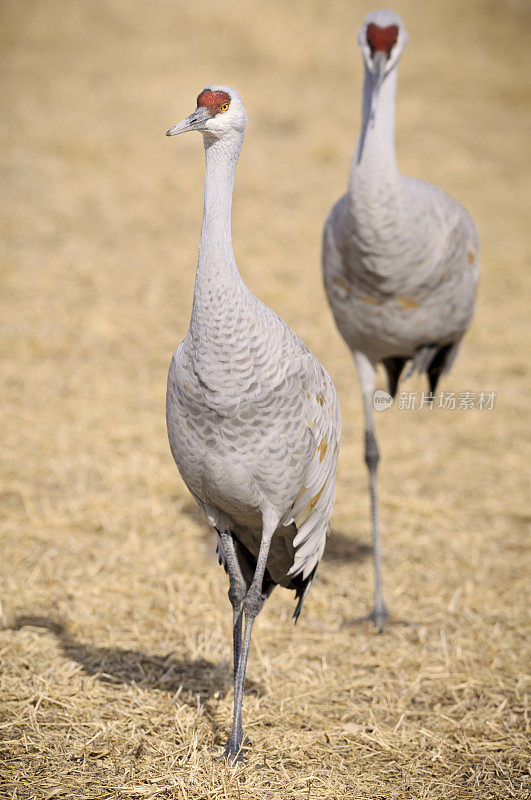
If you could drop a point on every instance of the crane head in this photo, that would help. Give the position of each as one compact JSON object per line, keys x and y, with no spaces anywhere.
{"x":382,"y":37}
{"x":219,"y":113}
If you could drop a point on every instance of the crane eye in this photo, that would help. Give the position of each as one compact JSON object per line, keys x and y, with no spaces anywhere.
{"x":224,"y":107}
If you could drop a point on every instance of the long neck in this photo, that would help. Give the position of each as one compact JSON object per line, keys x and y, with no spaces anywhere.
{"x":374,"y":156}
{"x":217,"y":281}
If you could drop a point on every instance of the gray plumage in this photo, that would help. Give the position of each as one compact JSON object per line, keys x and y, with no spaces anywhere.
{"x":253,"y":418}
{"x":400,"y":257}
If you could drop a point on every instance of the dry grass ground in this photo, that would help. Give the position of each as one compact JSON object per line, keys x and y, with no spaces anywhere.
{"x":115,"y":645}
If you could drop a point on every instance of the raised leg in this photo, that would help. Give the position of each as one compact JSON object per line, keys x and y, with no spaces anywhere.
{"x":252,"y":604}
{"x":366,"y":373}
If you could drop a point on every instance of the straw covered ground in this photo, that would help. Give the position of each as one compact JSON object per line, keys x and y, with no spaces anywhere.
{"x":115,"y":641}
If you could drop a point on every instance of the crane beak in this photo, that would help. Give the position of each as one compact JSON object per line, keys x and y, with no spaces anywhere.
{"x":379,"y":63}
{"x":195,"y":122}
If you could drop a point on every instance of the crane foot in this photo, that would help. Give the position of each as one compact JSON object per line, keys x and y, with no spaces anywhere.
{"x":378,"y":616}
{"x":235,"y":754}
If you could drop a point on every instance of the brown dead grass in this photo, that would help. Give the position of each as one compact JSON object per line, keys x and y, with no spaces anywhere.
{"x":115,"y":648}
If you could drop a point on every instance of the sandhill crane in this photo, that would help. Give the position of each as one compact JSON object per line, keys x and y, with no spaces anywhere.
{"x":253,"y":418}
{"x":400,"y":257}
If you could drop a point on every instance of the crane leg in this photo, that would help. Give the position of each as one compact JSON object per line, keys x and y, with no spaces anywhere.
{"x":237,"y":591}
{"x":366,"y":373}
{"x":252,"y":604}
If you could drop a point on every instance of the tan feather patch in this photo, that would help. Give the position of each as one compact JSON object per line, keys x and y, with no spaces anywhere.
{"x":343,"y":284}
{"x":307,"y":510}
{"x":316,"y":497}
{"x":301,"y":492}
{"x":407,"y":302}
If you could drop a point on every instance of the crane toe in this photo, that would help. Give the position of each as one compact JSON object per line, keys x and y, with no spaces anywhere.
{"x":235,"y":753}
{"x":379,"y":616}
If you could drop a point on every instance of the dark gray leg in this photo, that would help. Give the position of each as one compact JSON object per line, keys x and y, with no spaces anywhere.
{"x":237,"y":591}
{"x":252,"y":603}
{"x":366,"y":372}
{"x":379,"y":613}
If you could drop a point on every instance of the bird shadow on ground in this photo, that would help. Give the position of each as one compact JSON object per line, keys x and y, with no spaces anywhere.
{"x":341,"y":548}
{"x":119,"y":666}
